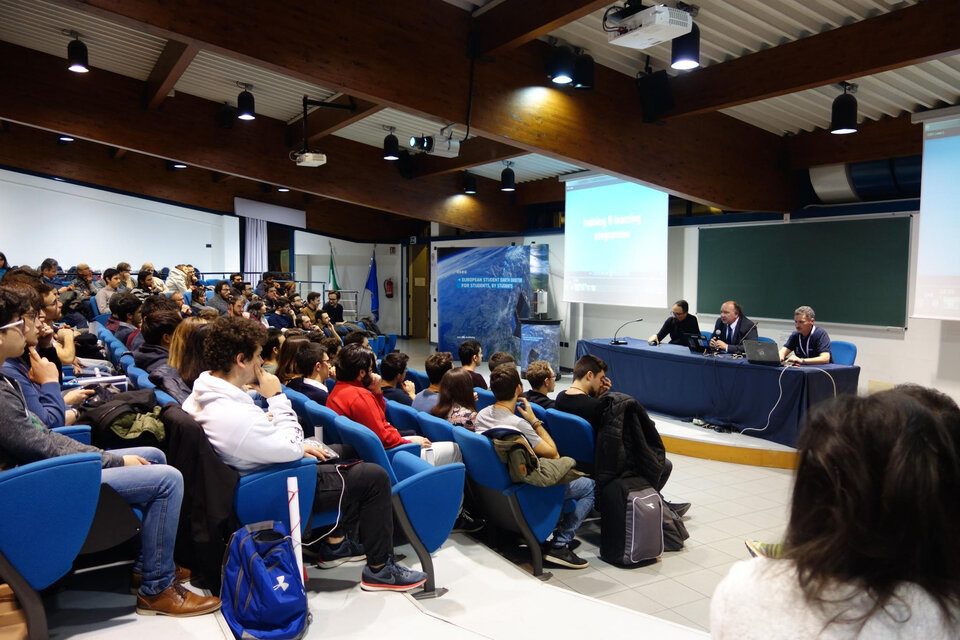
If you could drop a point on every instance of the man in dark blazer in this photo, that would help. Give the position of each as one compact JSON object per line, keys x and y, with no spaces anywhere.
{"x":732,"y":328}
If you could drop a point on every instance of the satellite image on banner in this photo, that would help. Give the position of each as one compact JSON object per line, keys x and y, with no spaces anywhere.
{"x":483,"y":292}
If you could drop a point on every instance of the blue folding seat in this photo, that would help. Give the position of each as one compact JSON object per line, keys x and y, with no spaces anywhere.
{"x":484,"y":398}
{"x":404,"y":418}
{"x":531,"y":511}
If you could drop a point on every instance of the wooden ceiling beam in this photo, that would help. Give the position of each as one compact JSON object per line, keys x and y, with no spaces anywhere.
{"x":513,"y":24}
{"x":713,"y":158}
{"x":473,"y":153}
{"x":173,"y":61}
{"x":82,"y":161}
{"x":322,"y":121}
{"x":897,"y":39}
{"x":875,"y":140}
{"x":186,"y":130}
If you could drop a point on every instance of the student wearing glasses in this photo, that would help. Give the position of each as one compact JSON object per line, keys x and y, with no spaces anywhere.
{"x":679,"y":324}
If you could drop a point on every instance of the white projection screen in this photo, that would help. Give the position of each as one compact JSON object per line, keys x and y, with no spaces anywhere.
{"x":615,"y":243}
{"x":937,"y":290}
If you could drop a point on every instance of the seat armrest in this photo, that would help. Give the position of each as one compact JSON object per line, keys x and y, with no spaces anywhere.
{"x":412,"y":448}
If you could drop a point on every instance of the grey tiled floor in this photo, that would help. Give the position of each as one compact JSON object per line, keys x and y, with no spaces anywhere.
{"x":731,"y":502}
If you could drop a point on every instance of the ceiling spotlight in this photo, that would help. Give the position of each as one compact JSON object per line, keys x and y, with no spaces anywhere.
{"x":424,"y":143}
{"x":391,"y":146}
{"x":685,"y":50}
{"x":469,"y":183}
{"x":507,"y":178}
{"x":245,"y":110}
{"x":65,"y":139}
{"x":560,"y":65}
{"x":175,"y":164}
{"x":77,"y":54}
{"x":583,"y":72}
{"x":283,"y":189}
{"x":843,"y":115}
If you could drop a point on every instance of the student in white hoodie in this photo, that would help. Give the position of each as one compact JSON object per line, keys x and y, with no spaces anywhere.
{"x":248,"y":439}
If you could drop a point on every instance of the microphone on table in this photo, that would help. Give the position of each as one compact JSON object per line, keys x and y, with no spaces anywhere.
{"x":621,"y":341}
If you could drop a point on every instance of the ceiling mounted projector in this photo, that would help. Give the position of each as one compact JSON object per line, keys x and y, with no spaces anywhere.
{"x":649,"y":27}
{"x":310,"y":159}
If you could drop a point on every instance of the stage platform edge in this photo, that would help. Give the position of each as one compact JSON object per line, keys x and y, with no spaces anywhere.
{"x":685,"y":439}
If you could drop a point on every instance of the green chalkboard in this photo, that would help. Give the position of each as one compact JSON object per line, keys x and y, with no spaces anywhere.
{"x":849,"y":271}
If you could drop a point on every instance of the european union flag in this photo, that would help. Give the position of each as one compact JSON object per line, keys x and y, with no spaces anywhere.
{"x":374,"y":290}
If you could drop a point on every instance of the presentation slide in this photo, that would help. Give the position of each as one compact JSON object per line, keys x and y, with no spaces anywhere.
{"x":937,"y":291}
{"x":615,"y":243}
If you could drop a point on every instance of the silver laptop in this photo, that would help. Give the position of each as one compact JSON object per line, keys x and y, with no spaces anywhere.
{"x":762,"y":352}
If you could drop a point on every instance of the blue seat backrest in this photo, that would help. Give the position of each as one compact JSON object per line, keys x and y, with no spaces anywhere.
{"x":134,"y":373}
{"x":298,"y":401}
{"x":572,"y":434}
{"x":186,"y":297}
{"x":483,"y":465}
{"x":436,"y":429}
{"x":402,"y":417}
{"x":539,"y":411}
{"x":143,"y":382}
{"x":262,"y":496}
{"x":329,"y":383}
{"x":843,"y":352}
{"x":317,"y":414}
{"x":44,"y":527}
{"x":766,"y":339}
{"x":366,"y":442}
{"x":163,"y":397}
{"x":100,"y":317}
{"x":419,"y":378}
{"x":381,"y":345}
{"x":391,"y":343}
{"x":484,"y":398}
{"x":126,"y":361}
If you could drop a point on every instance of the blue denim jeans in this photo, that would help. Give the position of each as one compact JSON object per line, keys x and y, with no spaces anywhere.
{"x":583,"y":491}
{"x":157,"y":490}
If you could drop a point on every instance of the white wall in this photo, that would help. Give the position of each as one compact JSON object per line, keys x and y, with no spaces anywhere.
{"x":352,"y":262}
{"x":927,"y":353}
{"x":43,"y":218}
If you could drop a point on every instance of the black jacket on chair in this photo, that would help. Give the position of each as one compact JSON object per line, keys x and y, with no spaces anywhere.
{"x":628,"y":443}
{"x":745,"y":329}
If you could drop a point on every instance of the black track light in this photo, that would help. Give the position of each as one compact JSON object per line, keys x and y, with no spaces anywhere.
{"x":391,"y":146}
{"x":469,"y":183}
{"x":77,"y":54}
{"x":685,"y":50}
{"x":843,"y":114}
{"x":507,"y":178}
{"x":245,"y":106}
{"x":560,"y":65}
{"x":583,"y":72}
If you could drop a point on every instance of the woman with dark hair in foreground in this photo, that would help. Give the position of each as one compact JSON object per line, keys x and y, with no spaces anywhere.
{"x":871,"y":549}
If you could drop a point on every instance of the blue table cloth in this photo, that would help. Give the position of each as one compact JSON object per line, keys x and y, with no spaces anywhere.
{"x":720,"y":389}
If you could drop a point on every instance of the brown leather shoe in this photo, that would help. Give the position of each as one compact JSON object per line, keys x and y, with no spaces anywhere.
{"x":182,"y":574}
{"x":176,"y":601}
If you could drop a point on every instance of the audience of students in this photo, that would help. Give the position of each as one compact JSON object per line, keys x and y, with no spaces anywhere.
{"x":456,"y":399}
{"x":436,"y":365}
{"x":393,"y":370}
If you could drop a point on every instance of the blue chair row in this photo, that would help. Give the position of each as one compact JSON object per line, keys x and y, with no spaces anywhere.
{"x":426,"y":499}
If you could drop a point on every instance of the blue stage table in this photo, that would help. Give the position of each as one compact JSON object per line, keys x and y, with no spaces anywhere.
{"x":720,"y":389}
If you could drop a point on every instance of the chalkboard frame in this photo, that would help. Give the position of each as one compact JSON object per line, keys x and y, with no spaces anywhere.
{"x":850,"y":270}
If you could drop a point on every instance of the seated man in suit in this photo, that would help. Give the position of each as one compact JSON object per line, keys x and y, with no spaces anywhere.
{"x":809,"y":344}
{"x":313,"y":365}
{"x":732,"y":328}
{"x":679,"y":324}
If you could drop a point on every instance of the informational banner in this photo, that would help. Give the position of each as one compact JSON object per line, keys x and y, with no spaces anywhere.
{"x":484,"y":292}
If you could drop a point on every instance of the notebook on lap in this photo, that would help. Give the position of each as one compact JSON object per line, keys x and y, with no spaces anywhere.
{"x":762,"y":352}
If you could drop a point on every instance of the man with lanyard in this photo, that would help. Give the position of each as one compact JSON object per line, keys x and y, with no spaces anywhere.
{"x":809,"y":344}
